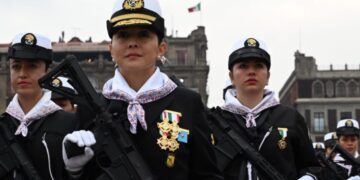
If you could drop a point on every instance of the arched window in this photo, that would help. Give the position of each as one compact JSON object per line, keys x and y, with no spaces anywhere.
{"x":353,"y":90}
{"x":329,"y":88}
{"x":340,"y":88}
{"x":318,"y":89}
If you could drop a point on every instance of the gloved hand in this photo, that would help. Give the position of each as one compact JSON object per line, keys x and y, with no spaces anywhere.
{"x":354,"y":178}
{"x":83,"y":139}
{"x":306,"y":177}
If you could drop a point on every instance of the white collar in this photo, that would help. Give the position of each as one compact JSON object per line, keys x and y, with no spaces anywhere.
{"x":156,"y":81}
{"x":230,"y":98}
{"x":41,"y":109}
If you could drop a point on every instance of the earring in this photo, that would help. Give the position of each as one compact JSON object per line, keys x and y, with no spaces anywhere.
{"x":162,"y":59}
{"x":115,"y":64}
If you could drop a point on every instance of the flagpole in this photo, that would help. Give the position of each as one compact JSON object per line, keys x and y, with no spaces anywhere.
{"x":201,"y":8}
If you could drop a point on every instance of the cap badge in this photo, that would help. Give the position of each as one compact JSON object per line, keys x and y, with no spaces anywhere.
{"x":334,"y":136}
{"x":133,"y":4}
{"x":349,"y":123}
{"x":251,"y":42}
{"x":28,"y":39}
{"x":56,"y":82}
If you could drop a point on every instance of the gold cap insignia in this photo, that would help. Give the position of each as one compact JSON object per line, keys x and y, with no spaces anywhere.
{"x":349,"y":123}
{"x":28,"y":39}
{"x":133,"y":4}
{"x":334,"y":136}
{"x":56,"y":82}
{"x":251,"y":42}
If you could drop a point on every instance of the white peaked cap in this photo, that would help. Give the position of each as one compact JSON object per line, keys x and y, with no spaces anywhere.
{"x":348,"y":123}
{"x":41,"y":40}
{"x":152,"y":5}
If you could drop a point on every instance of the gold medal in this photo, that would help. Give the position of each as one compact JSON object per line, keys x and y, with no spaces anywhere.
{"x":163,"y":142}
{"x":170,"y":161}
{"x":173,"y":145}
{"x":164,"y":127}
{"x":282,"y":144}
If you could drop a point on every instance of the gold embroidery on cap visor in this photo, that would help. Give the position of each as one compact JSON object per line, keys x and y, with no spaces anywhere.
{"x":133,"y":4}
{"x":131,"y":22}
{"x":133,"y":16}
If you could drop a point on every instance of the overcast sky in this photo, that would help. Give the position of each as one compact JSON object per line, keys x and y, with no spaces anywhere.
{"x":325,"y":29}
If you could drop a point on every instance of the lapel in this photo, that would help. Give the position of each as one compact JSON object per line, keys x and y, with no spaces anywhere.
{"x":154,"y":109}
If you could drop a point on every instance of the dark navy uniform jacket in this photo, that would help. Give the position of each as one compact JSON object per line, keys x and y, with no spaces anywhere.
{"x":50,"y":130}
{"x":194,"y":160}
{"x":293,"y":160}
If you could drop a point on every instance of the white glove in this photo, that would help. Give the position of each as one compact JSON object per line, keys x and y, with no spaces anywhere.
{"x":354,"y":178}
{"x":306,"y":177}
{"x":83,"y":139}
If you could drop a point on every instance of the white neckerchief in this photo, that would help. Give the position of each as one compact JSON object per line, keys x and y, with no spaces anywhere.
{"x":341,"y":162}
{"x":42,"y":108}
{"x":232,"y":104}
{"x":156,"y":87}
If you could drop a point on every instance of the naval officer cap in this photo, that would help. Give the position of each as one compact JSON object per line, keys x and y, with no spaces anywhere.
{"x":62,"y":82}
{"x":249,"y":48}
{"x":347,"y":127}
{"x":30,"y":46}
{"x":136,"y":13}
{"x":330,"y":139}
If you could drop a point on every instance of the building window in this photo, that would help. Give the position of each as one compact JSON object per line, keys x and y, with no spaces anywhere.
{"x":353,"y":89}
{"x":318,"y":89}
{"x":319,"y":125}
{"x":340,"y":89}
{"x":329,"y":89}
{"x":345,"y":115}
{"x":181,"y":57}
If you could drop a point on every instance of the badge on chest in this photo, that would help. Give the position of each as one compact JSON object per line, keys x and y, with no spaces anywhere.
{"x":283,"y":134}
{"x":171,"y":134}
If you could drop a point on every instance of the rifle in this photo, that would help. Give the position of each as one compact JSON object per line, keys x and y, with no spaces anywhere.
{"x":326,"y":163}
{"x":241,"y":146}
{"x":114,"y":150}
{"x":21,"y":157}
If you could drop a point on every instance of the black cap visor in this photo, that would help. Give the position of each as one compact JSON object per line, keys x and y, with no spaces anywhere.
{"x":141,"y":17}
{"x":247,"y":53}
{"x":19,"y":51}
{"x":347,"y":131}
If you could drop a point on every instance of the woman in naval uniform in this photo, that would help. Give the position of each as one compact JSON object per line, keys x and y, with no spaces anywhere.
{"x":166,"y":122}
{"x":37,"y":123}
{"x":277,"y":132}
{"x":347,"y":132}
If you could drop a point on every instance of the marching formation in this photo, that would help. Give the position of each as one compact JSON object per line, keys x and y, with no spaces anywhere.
{"x":147,"y":126}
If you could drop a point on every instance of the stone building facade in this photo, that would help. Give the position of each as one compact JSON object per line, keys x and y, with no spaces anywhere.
{"x":323,"y":97}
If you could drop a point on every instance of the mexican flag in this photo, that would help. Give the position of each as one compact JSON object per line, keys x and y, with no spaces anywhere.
{"x":195,"y":8}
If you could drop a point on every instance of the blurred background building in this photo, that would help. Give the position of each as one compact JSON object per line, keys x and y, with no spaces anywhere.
{"x":186,"y":55}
